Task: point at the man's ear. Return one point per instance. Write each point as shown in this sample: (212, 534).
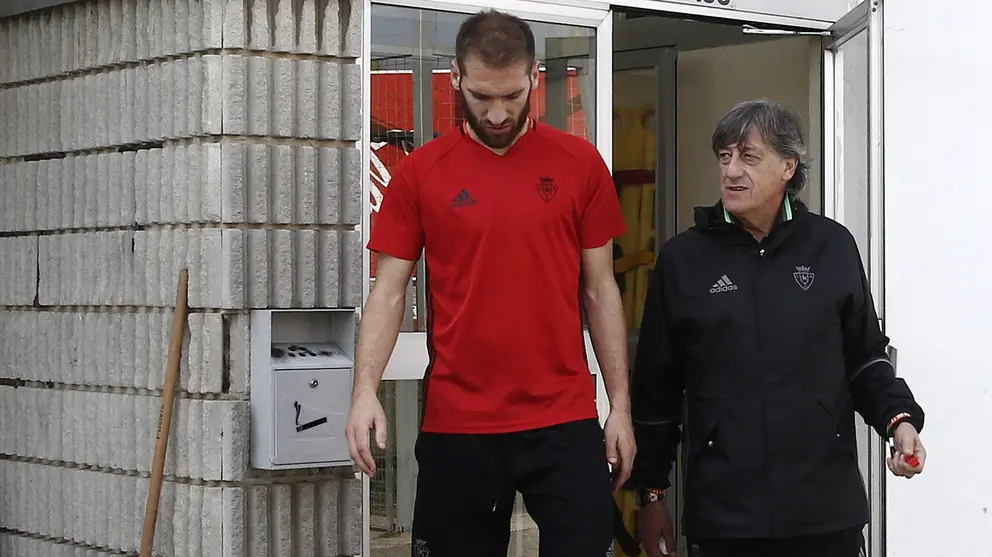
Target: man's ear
(456, 76)
(790, 168)
(535, 74)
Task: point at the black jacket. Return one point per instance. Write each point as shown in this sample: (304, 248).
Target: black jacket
(764, 351)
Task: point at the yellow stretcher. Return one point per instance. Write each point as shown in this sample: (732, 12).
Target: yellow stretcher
(634, 174)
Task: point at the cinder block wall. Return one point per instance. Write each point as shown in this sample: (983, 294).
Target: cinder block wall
(139, 137)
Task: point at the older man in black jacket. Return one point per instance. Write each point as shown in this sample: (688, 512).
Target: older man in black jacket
(759, 342)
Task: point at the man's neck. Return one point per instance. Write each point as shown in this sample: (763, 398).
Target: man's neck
(759, 222)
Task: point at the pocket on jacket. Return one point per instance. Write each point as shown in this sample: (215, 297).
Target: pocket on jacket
(834, 415)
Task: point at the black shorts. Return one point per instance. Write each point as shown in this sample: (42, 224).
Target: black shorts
(845, 543)
(467, 485)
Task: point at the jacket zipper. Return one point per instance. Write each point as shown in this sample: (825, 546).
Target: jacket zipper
(756, 304)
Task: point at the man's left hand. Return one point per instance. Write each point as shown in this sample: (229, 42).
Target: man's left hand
(620, 446)
(907, 443)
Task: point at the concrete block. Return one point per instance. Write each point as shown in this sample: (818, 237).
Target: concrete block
(306, 542)
(212, 340)
(261, 29)
(352, 202)
(284, 184)
(258, 182)
(306, 269)
(104, 205)
(306, 185)
(235, 20)
(260, 97)
(19, 284)
(351, 270)
(329, 22)
(195, 521)
(308, 86)
(40, 193)
(181, 185)
(237, 327)
(66, 216)
(285, 26)
(211, 22)
(156, 77)
(141, 177)
(91, 217)
(196, 437)
(329, 99)
(233, 182)
(351, 128)
(282, 526)
(284, 98)
(329, 261)
(232, 273)
(181, 113)
(29, 196)
(283, 259)
(166, 189)
(350, 517)
(234, 526)
(210, 444)
(235, 94)
(168, 92)
(180, 521)
(194, 82)
(111, 167)
(152, 186)
(53, 192)
(212, 523)
(170, 26)
(8, 181)
(257, 514)
(257, 259)
(234, 420)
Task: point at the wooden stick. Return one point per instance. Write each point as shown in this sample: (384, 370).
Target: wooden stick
(165, 413)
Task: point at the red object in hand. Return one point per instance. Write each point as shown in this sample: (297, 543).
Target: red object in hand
(913, 461)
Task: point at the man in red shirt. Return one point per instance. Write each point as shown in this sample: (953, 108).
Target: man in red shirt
(516, 220)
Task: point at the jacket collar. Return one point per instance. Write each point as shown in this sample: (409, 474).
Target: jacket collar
(716, 215)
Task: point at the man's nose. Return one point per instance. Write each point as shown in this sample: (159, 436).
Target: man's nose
(497, 113)
(735, 168)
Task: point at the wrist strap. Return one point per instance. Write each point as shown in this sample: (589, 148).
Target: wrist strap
(896, 420)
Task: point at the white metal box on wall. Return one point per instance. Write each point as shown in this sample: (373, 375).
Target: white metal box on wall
(302, 365)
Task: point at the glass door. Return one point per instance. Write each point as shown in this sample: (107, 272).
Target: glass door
(853, 192)
(409, 102)
(644, 170)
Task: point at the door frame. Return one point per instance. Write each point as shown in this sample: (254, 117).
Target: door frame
(866, 17)
(410, 352)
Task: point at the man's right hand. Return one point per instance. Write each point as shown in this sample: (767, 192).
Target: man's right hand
(654, 525)
(366, 414)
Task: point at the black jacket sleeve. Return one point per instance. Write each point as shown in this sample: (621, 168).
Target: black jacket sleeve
(657, 388)
(877, 393)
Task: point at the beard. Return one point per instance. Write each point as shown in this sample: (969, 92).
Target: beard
(481, 128)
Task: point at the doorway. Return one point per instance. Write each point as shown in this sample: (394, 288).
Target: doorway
(665, 79)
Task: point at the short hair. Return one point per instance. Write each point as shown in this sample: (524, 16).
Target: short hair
(498, 38)
(779, 127)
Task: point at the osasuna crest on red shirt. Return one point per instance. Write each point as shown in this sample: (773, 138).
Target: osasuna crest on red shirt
(547, 188)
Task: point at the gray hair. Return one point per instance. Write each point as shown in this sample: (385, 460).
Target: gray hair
(779, 127)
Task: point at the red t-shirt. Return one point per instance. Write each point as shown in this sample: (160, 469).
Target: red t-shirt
(503, 237)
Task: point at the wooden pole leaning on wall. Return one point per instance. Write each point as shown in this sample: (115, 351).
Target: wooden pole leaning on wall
(165, 413)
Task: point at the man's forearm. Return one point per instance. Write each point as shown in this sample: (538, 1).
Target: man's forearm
(608, 330)
(377, 335)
